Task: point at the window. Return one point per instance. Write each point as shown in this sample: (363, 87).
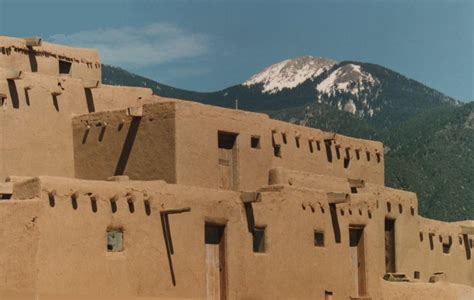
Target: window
(114, 240)
(258, 239)
(318, 238)
(378, 157)
(297, 141)
(64, 67)
(226, 140)
(368, 155)
(255, 142)
(416, 275)
(310, 144)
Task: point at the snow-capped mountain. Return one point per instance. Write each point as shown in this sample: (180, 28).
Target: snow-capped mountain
(365, 91)
(290, 73)
(350, 80)
(346, 87)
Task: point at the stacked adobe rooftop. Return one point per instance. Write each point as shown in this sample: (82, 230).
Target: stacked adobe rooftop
(113, 192)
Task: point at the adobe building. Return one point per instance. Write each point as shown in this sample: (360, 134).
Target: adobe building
(115, 193)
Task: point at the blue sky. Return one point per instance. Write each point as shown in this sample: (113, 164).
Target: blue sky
(208, 45)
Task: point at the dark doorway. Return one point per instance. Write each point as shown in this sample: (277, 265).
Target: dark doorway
(390, 246)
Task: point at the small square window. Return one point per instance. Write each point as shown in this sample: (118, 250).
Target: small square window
(64, 67)
(114, 240)
(318, 238)
(416, 275)
(258, 239)
(255, 142)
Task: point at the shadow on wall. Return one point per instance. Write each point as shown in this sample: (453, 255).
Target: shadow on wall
(89, 100)
(13, 93)
(127, 146)
(55, 102)
(33, 62)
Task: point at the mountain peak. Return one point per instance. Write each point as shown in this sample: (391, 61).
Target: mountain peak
(290, 73)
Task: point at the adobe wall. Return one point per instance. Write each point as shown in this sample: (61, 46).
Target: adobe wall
(197, 126)
(19, 243)
(291, 267)
(35, 120)
(416, 251)
(350, 157)
(44, 59)
(108, 144)
(196, 152)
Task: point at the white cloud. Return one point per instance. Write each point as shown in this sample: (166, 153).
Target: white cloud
(153, 44)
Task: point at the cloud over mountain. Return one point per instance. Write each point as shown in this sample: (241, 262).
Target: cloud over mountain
(128, 46)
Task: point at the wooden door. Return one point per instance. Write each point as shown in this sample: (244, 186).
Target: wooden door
(227, 160)
(215, 262)
(357, 247)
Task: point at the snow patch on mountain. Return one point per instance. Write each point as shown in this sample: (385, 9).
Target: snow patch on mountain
(350, 107)
(349, 79)
(290, 73)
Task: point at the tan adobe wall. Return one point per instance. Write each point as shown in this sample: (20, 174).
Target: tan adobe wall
(415, 250)
(35, 120)
(108, 144)
(310, 150)
(44, 59)
(287, 268)
(196, 129)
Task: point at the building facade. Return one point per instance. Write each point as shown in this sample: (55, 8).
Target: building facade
(113, 192)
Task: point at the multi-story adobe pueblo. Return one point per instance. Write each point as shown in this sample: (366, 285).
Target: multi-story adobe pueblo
(113, 192)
